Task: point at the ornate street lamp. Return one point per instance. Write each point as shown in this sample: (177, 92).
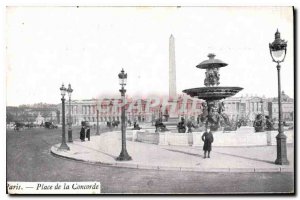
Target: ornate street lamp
(278, 53)
(123, 155)
(63, 145)
(70, 90)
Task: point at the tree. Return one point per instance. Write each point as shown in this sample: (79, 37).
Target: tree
(9, 118)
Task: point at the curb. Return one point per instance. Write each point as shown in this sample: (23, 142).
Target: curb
(183, 169)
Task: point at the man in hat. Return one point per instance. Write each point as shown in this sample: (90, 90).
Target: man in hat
(207, 138)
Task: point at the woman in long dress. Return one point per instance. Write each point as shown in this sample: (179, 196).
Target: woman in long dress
(82, 134)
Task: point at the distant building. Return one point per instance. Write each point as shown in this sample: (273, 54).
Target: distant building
(110, 110)
(39, 119)
(246, 107)
(287, 108)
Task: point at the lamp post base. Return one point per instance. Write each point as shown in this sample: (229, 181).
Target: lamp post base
(97, 132)
(70, 136)
(124, 156)
(281, 150)
(64, 146)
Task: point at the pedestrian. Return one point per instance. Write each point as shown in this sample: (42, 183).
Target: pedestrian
(207, 138)
(88, 135)
(82, 134)
(190, 125)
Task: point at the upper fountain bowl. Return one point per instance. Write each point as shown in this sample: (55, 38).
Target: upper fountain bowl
(212, 93)
(211, 63)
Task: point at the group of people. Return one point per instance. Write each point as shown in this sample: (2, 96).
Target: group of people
(159, 126)
(136, 126)
(113, 124)
(85, 133)
(181, 126)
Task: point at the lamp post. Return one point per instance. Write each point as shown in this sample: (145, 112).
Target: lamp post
(160, 112)
(278, 53)
(238, 116)
(97, 133)
(110, 111)
(70, 90)
(63, 145)
(262, 106)
(123, 155)
(134, 112)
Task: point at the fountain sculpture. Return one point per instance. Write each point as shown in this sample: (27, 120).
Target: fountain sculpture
(213, 115)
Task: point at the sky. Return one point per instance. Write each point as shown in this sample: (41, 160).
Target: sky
(88, 47)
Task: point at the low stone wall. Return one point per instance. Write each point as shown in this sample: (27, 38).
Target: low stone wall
(272, 136)
(177, 139)
(234, 138)
(170, 138)
(243, 139)
(146, 137)
(243, 129)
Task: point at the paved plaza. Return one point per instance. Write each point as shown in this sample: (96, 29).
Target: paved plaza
(105, 148)
(31, 160)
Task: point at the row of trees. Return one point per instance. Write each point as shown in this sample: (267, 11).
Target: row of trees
(29, 113)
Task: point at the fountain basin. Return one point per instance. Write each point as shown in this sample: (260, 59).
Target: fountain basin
(242, 137)
(212, 93)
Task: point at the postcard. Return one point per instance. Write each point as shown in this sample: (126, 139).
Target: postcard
(150, 100)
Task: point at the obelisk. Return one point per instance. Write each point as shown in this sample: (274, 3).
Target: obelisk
(172, 115)
(172, 68)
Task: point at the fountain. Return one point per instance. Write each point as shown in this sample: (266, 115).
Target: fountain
(213, 118)
(212, 93)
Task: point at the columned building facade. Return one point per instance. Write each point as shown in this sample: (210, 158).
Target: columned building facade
(245, 107)
(135, 110)
(287, 108)
(138, 110)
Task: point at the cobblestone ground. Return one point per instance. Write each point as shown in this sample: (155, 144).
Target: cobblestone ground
(28, 159)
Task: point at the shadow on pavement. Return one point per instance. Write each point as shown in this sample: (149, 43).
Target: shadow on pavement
(184, 152)
(114, 157)
(255, 159)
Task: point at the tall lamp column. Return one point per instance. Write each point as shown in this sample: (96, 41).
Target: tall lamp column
(278, 53)
(123, 155)
(97, 133)
(63, 145)
(70, 90)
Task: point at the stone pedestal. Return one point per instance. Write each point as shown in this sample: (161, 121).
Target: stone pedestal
(281, 150)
